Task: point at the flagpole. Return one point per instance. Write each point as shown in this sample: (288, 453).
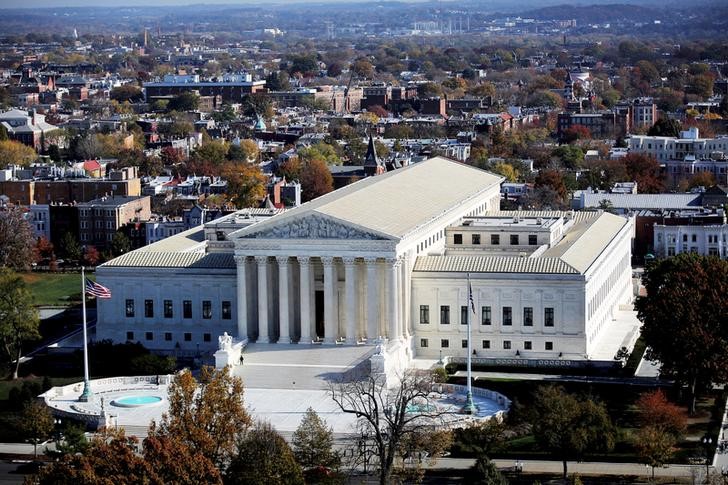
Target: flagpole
(86, 395)
(470, 407)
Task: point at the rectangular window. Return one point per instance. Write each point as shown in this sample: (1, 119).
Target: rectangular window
(495, 239)
(444, 343)
(149, 336)
(548, 317)
(423, 343)
(149, 308)
(506, 345)
(457, 238)
(167, 308)
(130, 336)
(486, 344)
(206, 337)
(464, 343)
(528, 316)
(514, 240)
(485, 315)
(187, 309)
(532, 240)
(167, 336)
(206, 309)
(527, 345)
(188, 337)
(549, 346)
(464, 315)
(475, 238)
(129, 308)
(694, 238)
(444, 315)
(507, 316)
(424, 313)
(227, 310)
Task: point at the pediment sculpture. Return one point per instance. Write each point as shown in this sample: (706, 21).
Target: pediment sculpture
(313, 227)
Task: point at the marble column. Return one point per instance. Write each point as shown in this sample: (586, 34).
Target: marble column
(392, 300)
(373, 308)
(242, 304)
(351, 298)
(262, 299)
(305, 285)
(284, 333)
(330, 313)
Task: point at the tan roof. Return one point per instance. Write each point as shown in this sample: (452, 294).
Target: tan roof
(583, 244)
(174, 260)
(492, 264)
(396, 203)
(189, 240)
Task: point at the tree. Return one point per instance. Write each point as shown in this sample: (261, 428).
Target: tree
(645, 170)
(484, 472)
(653, 409)
(120, 244)
(91, 255)
(15, 153)
(208, 414)
(173, 461)
(71, 441)
(18, 317)
(574, 133)
(383, 412)
(126, 92)
(316, 180)
(363, 68)
(17, 244)
(552, 178)
(313, 441)
(187, 101)
(571, 156)
(683, 319)
(506, 170)
(701, 179)
(246, 151)
(259, 105)
(479, 439)
(665, 127)
(246, 183)
(36, 423)
(545, 98)
(263, 458)
(291, 169)
(43, 249)
(569, 427)
(70, 247)
(278, 81)
(655, 446)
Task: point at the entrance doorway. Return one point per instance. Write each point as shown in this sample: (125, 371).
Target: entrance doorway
(319, 314)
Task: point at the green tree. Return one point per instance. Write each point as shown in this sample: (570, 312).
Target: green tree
(187, 101)
(484, 472)
(17, 243)
(70, 247)
(320, 151)
(127, 92)
(665, 127)
(569, 427)
(18, 317)
(71, 441)
(15, 153)
(654, 446)
(571, 156)
(683, 319)
(120, 244)
(263, 458)
(36, 423)
(313, 443)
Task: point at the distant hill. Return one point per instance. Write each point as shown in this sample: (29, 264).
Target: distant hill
(598, 13)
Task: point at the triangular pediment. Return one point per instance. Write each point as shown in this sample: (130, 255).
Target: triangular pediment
(313, 227)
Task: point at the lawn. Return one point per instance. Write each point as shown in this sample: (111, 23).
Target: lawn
(55, 289)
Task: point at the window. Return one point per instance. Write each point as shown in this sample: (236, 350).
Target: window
(527, 345)
(532, 240)
(528, 316)
(495, 239)
(187, 309)
(685, 238)
(444, 343)
(424, 313)
(129, 308)
(423, 343)
(167, 336)
(464, 343)
(548, 317)
(486, 344)
(485, 315)
(206, 309)
(149, 308)
(130, 335)
(475, 238)
(149, 336)
(167, 308)
(549, 346)
(444, 315)
(514, 240)
(506, 345)
(507, 316)
(227, 310)
(188, 337)
(694, 238)
(206, 337)
(457, 238)
(464, 315)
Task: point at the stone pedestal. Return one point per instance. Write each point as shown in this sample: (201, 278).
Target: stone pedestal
(229, 353)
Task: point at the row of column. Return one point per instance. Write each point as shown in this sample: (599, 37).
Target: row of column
(391, 282)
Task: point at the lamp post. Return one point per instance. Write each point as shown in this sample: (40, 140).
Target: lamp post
(439, 361)
(707, 442)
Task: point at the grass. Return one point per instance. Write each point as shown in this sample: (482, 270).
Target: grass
(54, 289)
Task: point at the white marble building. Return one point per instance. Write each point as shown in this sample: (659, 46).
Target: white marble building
(357, 264)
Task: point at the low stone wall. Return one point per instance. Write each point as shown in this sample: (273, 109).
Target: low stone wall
(106, 384)
(479, 392)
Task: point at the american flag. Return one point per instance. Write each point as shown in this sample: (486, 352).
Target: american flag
(470, 296)
(97, 290)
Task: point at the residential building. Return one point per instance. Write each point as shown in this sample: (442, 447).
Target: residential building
(101, 218)
(231, 87)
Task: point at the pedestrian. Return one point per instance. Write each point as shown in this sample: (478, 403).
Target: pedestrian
(241, 359)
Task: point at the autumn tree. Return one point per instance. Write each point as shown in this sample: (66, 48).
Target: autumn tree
(316, 180)
(683, 319)
(17, 244)
(18, 317)
(174, 461)
(126, 92)
(207, 414)
(91, 255)
(246, 183)
(553, 179)
(569, 427)
(320, 151)
(701, 179)
(507, 170)
(291, 169)
(15, 153)
(313, 441)
(263, 457)
(246, 151)
(36, 423)
(574, 133)
(645, 170)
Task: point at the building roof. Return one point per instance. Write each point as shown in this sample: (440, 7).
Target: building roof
(492, 264)
(149, 259)
(396, 203)
(643, 201)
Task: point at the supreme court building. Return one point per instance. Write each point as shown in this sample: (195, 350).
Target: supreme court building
(383, 260)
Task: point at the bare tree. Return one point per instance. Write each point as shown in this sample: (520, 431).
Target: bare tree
(389, 416)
